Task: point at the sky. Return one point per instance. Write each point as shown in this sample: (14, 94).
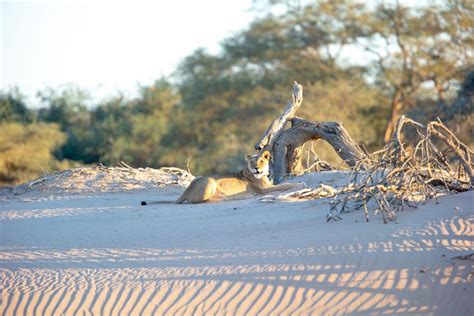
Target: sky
(108, 46)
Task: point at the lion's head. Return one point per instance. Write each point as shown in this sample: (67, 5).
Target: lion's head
(259, 164)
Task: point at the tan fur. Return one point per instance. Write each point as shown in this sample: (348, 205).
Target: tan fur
(249, 181)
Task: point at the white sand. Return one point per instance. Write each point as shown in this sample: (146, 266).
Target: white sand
(89, 251)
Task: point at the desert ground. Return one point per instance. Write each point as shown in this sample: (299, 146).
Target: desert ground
(80, 243)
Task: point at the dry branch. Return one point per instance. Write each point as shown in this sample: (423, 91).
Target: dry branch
(287, 149)
(461, 150)
(286, 146)
(389, 179)
(396, 176)
(274, 130)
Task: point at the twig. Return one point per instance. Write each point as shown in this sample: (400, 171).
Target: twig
(396, 175)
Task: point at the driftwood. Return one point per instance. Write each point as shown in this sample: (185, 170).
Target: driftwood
(459, 149)
(397, 177)
(286, 145)
(389, 179)
(273, 131)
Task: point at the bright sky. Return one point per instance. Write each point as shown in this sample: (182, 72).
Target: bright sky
(108, 46)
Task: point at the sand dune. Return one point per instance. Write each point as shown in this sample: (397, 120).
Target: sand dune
(248, 289)
(105, 255)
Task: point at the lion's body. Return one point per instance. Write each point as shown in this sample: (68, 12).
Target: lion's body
(249, 181)
(221, 187)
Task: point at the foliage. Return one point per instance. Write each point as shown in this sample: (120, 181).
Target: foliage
(67, 108)
(26, 151)
(131, 131)
(415, 59)
(13, 107)
(426, 46)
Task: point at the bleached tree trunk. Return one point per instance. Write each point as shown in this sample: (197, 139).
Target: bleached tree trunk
(277, 126)
(286, 145)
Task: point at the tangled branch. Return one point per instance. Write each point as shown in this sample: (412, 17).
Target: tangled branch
(394, 177)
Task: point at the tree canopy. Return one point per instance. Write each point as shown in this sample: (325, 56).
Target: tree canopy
(362, 65)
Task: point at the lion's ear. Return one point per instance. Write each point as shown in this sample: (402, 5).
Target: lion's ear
(266, 155)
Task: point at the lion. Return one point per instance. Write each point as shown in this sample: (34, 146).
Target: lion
(250, 181)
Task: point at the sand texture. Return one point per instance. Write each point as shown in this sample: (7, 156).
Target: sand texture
(89, 248)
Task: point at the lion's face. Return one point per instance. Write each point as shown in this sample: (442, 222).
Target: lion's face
(259, 164)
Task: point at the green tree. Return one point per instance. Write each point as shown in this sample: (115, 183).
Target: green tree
(229, 99)
(67, 107)
(131, 131)
(419, 49)
(418, 60)
(13, 107)
(26, 151)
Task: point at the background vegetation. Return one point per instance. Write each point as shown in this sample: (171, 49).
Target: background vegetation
(361, 65)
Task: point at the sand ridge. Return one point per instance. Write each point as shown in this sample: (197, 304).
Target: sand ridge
(102, 253)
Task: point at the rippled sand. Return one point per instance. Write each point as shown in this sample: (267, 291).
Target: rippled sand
(103, 254)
